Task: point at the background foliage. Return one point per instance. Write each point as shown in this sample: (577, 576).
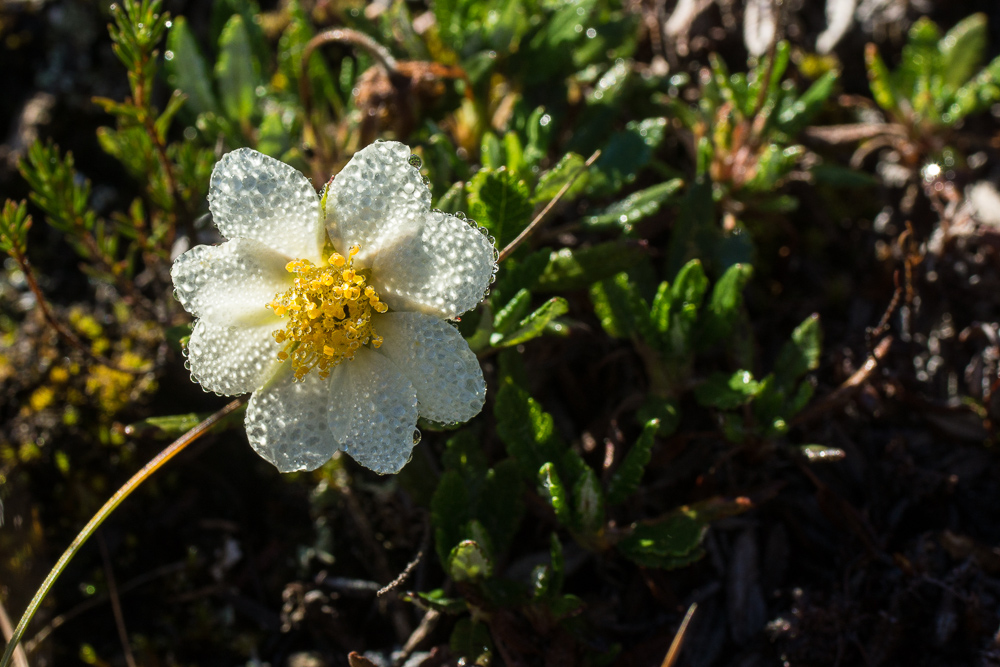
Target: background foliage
(748, 361)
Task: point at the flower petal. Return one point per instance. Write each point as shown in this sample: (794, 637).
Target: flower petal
(286, 421)
(257, 197)
(230, 284)
(441, 268)
(233, 360)
(375, 194)
(437, 360)
(373, 412)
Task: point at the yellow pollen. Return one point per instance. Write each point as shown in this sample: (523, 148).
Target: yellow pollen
(329, 310)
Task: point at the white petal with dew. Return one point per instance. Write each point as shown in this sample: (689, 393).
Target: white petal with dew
(373, 196)
(230, 284)
(286, 421)
(433, 356)
(441, 268)
(373, 412)
(255, 196)
(233, 360)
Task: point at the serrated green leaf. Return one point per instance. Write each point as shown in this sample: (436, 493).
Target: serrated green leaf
(724, 305)
(236, 71)
(553, 180)
(512, 312)
(534, 325)
(468, 561)
(187, 70)
(552, 489)
(621, 309)
(636, 206)
(727, 391)
(625, 481)
(588, 502)
(801, 353)
(572, 269)
(525, 429)
(500, 202)
(664, 543)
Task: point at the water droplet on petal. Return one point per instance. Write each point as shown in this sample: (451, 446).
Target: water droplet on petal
(416, 436)
(415, 161)
(460, 215)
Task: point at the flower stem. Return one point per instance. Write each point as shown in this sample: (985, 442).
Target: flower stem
(95, 521)
(534, 224)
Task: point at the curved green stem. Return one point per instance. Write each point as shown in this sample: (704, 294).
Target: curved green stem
(102, 514)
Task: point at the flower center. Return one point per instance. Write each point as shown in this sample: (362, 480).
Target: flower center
(329, 310)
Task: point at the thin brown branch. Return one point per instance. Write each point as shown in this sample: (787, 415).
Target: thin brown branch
(20, 658)
(116, 607)
(398, 581)
(534, 224)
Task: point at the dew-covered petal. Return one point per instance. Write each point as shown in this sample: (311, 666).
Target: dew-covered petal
(441, 268)
(373, 412)
(433, 356)
(286, 421)
(255, 196)
(230, 284)
(374, 195)
(233, 360)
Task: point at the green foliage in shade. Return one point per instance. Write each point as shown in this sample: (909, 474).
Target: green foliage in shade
(525, 429)
(669, 543)
(626, 479)
(727, 392)
(468, 561)
(551, 488)
(554, 179)
(512, 313)
(801, 353)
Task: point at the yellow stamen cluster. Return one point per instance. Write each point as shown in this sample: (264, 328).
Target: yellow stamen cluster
(329, 310)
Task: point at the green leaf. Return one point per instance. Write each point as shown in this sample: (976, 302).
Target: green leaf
(800, 354)
(558, 566)
(686, 297)
(663, 410)
(470, 640)
(727, 392)
(469, 562)
(588, 502)
(962, 50)
(551, 489)
(500, 202)
(976, 95)
(725, 303)
(237, 71)
(14, 225)
(572, 269)
(625, 155)
(533, 325)
(553, 180)
(274, 138)
(525, 429)
(512, 312)
(500, 506)
(796, 117)
(626, 479)
(491, 152)
(636, 206)
(437, 601)
(621, 309)
(454, 199)
(187, 70)
(773, 164)
(665, 543)
(449, 513)
(879, 81)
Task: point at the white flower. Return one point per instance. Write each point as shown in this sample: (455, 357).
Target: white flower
(333, 312)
